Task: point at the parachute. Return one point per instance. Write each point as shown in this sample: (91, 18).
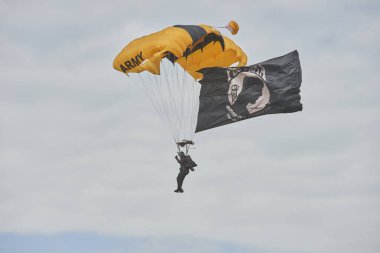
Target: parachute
(193, 47)
(167, 64)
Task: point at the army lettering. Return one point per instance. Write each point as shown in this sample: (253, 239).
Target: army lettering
(133, 62)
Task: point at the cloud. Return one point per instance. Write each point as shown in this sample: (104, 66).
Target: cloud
(83, 150)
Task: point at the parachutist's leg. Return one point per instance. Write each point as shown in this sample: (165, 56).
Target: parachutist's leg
(181, 176)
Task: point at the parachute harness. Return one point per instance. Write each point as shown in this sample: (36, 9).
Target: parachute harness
(185, 144)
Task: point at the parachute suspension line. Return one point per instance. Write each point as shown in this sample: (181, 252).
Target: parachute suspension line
(184, 106)
(179, 94)
(160, 85)
(180, 97)
(173, 91)
(148, 89)
(181, 100)
(156, 91)
(191, 86)
(196, 87)
(176, 91)
(184, 98)
(154, 88)
(147, 86)
(161, 104)
(175, 96)
(193, 108)
(171, 99)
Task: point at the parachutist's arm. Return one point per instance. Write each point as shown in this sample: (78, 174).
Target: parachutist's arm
(178, 160)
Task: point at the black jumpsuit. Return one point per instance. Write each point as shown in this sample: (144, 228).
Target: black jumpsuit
(186, 164)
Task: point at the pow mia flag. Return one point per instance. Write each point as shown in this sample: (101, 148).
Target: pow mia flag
(229, 95)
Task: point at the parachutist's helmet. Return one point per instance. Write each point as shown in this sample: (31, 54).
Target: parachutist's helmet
(181, 153)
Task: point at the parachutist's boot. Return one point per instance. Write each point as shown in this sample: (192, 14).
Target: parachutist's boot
(178, 191)
(181, 190)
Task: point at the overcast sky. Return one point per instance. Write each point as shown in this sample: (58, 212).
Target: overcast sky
(86, 165)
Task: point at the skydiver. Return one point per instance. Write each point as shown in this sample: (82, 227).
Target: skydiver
(186, 164)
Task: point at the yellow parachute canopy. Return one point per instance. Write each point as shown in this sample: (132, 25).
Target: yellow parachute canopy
(193, 47)
(213, 55)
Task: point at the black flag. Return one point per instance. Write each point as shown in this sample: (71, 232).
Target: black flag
(233, 94)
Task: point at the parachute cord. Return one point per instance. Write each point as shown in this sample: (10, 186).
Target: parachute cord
(193, 87)
(196, 92)
(187, 87)
(154, 97)
(161, 105)
(161, 108)
(177, 98)
(183, 87)
(165, 105)
(174, 98)
(192, 108)
(151, 95)
(174, 109)
(182, 97)
(195, 106)
(223, 27)
(164, 99)
(174, 92)
(181, 101)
